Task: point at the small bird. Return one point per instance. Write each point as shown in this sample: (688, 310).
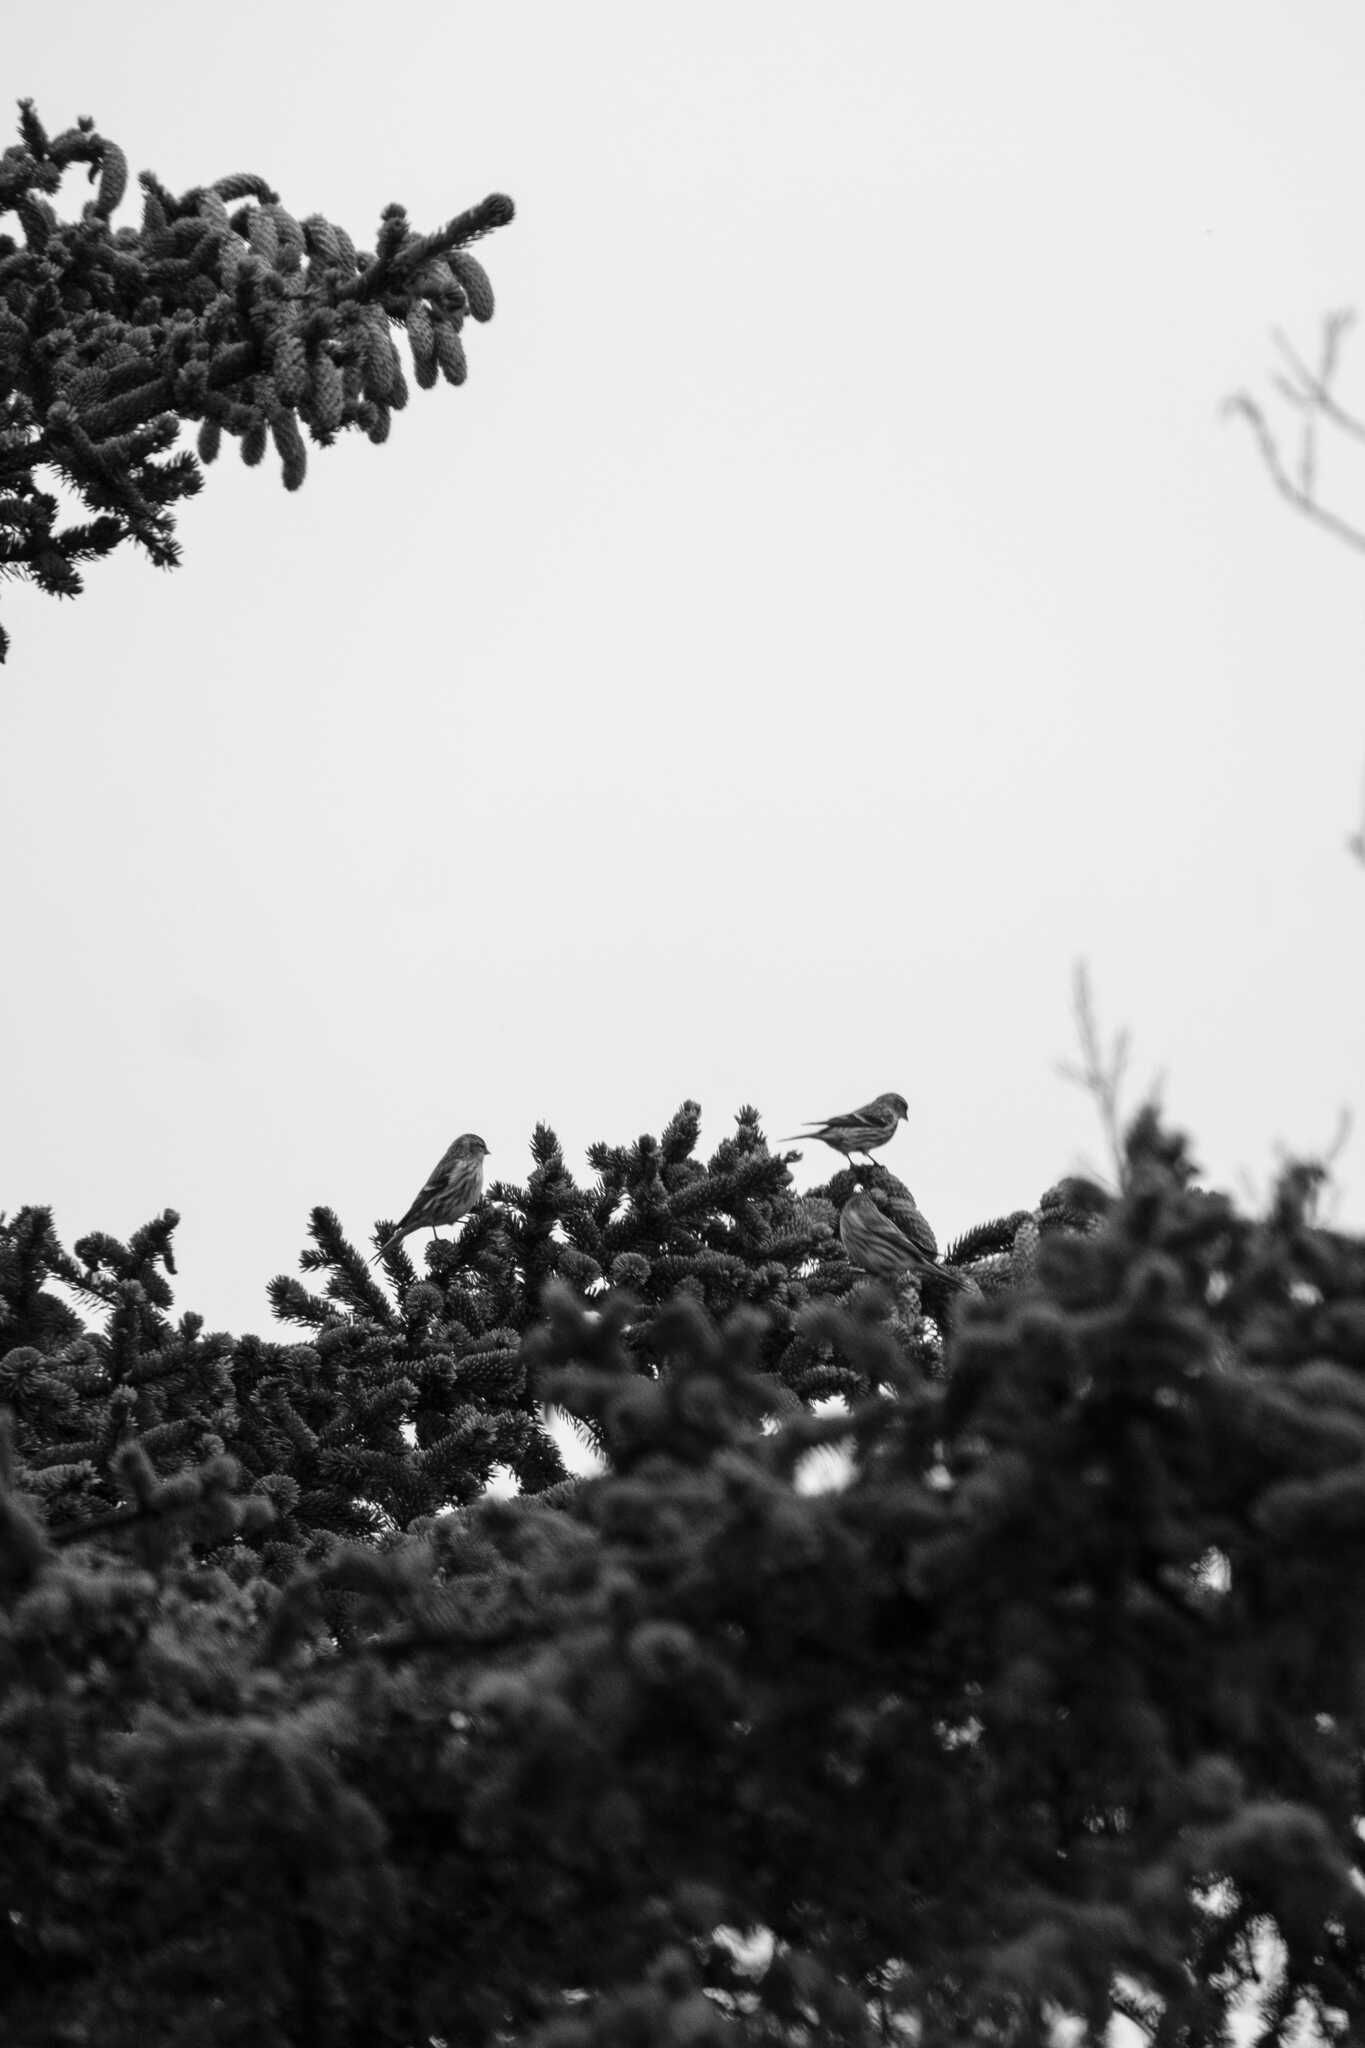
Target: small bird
(873, 1242)
(858, 1130)
(908, 1217)
(450, 1191)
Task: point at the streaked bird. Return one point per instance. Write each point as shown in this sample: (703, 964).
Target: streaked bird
(872, 1240)
(858, 1130)
(908, 1217)
(450, 1190)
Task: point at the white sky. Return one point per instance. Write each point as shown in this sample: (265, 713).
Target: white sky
(833, 605)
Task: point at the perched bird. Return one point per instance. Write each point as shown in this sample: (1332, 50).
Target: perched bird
(908, 1217)
(873, 1242)
(858, 1130)
(450, 1191)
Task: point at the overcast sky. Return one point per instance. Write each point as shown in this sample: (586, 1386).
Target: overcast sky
(833, 606)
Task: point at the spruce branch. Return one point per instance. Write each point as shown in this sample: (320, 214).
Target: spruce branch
(251, 324)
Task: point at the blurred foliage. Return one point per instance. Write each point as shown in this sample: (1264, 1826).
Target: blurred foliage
(1051, 1709)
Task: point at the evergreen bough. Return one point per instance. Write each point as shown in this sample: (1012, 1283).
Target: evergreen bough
(1054, 1708)
(220, 308)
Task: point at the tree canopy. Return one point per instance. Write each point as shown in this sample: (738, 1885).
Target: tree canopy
(1048, 1705)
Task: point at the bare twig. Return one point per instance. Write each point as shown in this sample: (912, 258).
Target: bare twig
(1100, 1072)
(1331, 522)
(1356, 840)
(1326, 1198)
(1339, 1139)
(1310, 392)
(1315, 390)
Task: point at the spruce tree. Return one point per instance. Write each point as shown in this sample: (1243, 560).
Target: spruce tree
(220, 308)
(1052, 1709)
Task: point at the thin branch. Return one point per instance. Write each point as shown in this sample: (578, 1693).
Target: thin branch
(1331, 522)
(1310, 393)
(1100, 1072)
(1339, 1139)
(1316, 391)
(1356, 840)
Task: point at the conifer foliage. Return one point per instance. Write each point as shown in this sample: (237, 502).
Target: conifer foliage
(1052, 1709)
(220, 308)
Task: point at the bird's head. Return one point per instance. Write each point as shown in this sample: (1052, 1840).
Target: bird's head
(471, 1146)
(897, 1104)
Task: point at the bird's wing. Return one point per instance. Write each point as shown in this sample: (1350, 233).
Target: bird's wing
(437, 1178)
(414, 1208)
(442, 1167)
(889, 1231)
(873, 1116)
(914, 1225)
(851, 1120)
(432, 1185)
